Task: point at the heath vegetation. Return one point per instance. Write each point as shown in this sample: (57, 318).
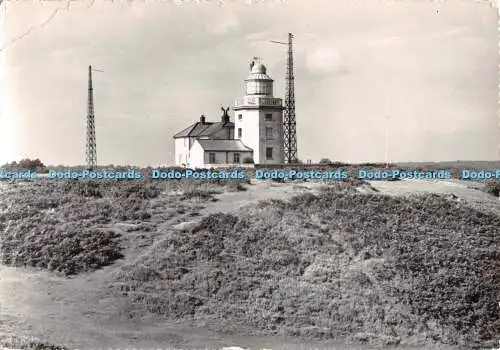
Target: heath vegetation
(335, 264)
(63, 226)
(25, 343)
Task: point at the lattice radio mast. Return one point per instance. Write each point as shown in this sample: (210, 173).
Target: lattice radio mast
(91, 151)
(289, 122)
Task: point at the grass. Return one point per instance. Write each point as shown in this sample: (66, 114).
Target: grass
(61, 226)
(492, 187)
(48, 226)
(28, 344)
(333, 265)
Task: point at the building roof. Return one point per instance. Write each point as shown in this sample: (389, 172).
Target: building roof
(223, 145)
(258, 68)
(258, 72)
(258, 76)
(203, 129)
(215, 127)
(193, 130)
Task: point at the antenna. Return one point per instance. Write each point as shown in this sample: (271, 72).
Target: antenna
(91, 151)
(387, 141)
(289, 123)
(387, 125)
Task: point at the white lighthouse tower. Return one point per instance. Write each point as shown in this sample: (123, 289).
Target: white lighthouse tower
(258, 117)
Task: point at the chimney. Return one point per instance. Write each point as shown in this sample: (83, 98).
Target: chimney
(202, 119)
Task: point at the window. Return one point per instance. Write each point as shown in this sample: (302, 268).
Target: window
(269, 153)
(211, 158)
(269, 133)
(269, 117)
(236, 158)
(239, 133)
(267, 88)
(251, 88)
(240, 116)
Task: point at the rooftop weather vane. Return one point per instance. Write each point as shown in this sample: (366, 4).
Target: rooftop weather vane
(255, 59)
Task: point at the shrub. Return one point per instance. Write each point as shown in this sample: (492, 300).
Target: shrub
(28, 344)
(53, 224)
(233, 186)
(334, 264)
(25, 164)
(493, 187)
(197, 193)
(140, 190)
(68, 250)
(84, 188)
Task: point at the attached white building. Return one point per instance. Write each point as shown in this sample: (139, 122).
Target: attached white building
(256, 135)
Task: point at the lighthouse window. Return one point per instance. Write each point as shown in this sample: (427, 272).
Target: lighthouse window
(251, 87)
(240, 117)
(239, 133)
(269, 153)
(268, 117)
(266, 89)
(269, 133)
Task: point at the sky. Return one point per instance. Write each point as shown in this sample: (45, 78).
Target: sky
(425, 73)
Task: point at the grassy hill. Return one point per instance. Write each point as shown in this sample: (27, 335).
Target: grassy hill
(334, 264)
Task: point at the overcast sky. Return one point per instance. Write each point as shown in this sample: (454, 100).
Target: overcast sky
(431, 66)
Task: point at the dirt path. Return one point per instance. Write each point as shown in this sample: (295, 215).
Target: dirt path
(76, 312)
(259, 190)
(465, 191)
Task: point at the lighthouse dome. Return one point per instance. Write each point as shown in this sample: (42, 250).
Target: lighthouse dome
(258, 72)
(258, 68)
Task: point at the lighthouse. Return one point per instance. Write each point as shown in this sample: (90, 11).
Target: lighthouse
(258, 117)
(257, 133)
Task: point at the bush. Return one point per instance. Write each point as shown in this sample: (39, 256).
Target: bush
(28, 344)
(84, 188)
(199, 194)
(54, 225)
(334, 264)
(233, 186)
(492, 187)
(68, 250)
(24, 165)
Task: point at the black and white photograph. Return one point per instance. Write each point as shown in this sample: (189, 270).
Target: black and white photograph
(249, 174)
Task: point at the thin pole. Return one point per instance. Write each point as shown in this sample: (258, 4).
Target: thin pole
(387, 141)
